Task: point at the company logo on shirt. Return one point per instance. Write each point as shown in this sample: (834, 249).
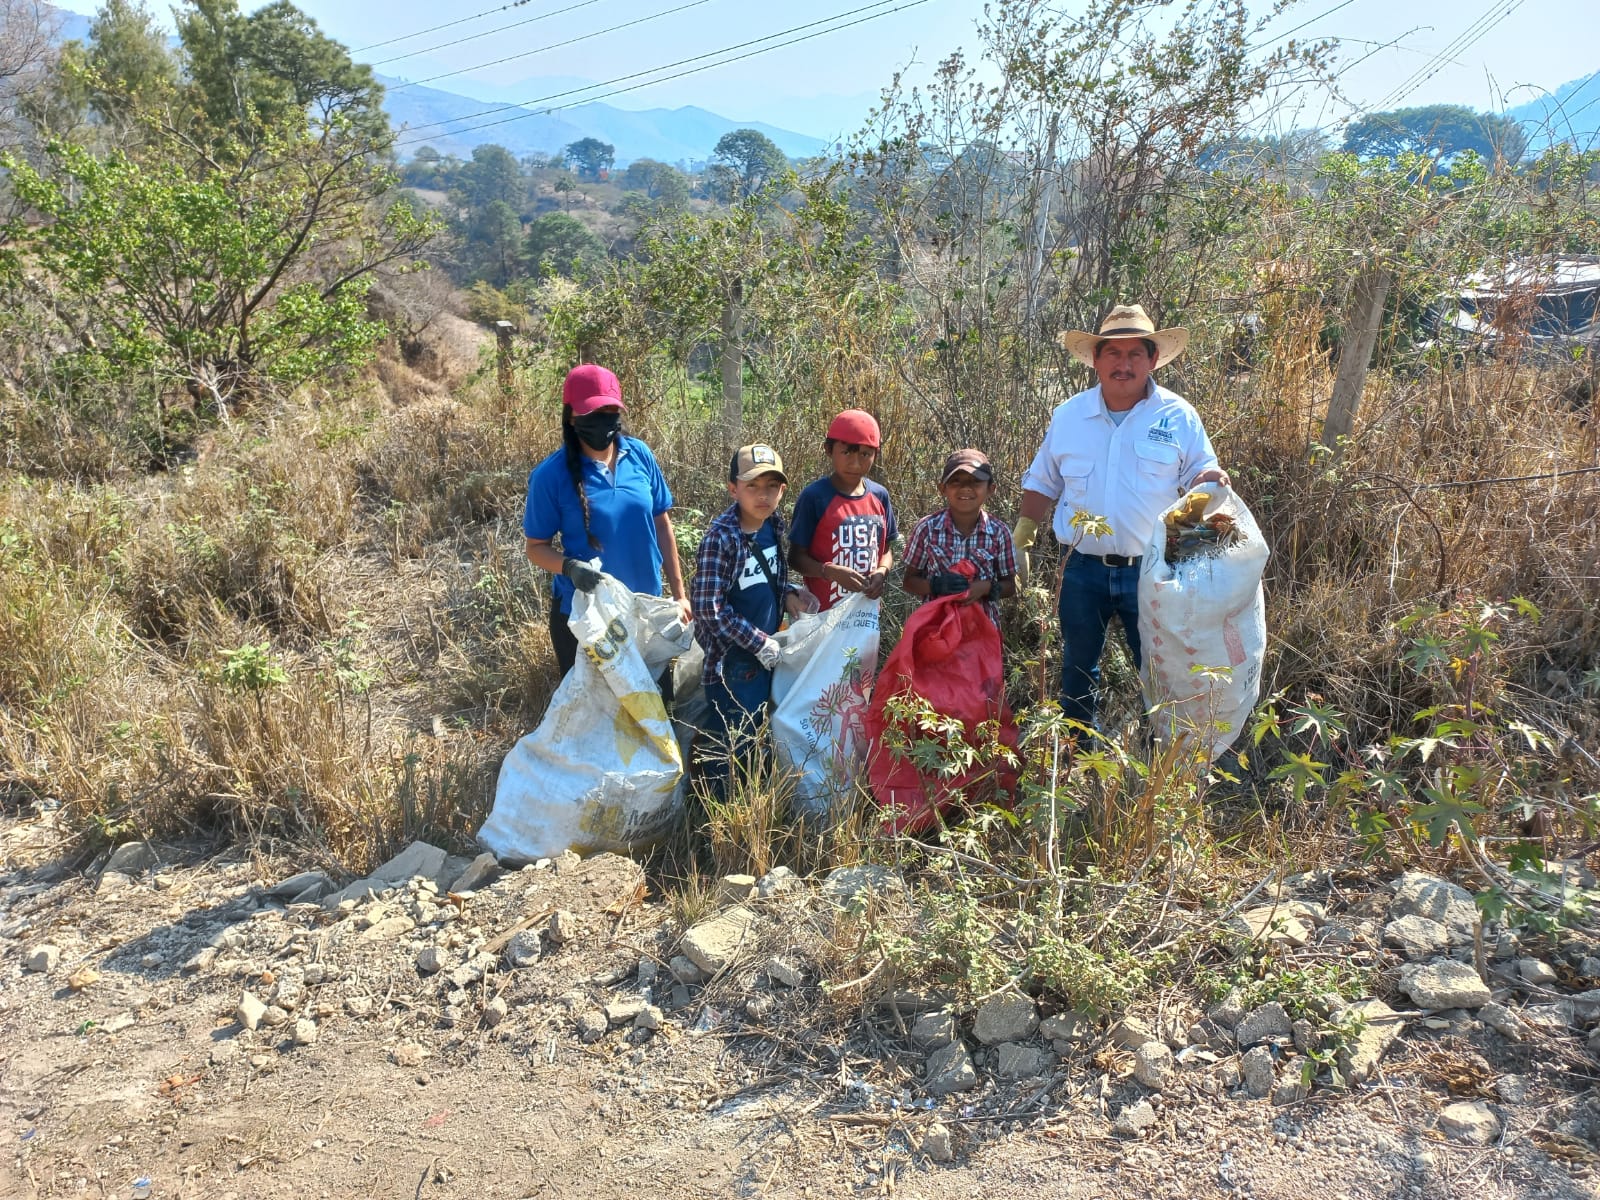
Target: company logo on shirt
(752, 575)
(857, 539)
(1161, 432)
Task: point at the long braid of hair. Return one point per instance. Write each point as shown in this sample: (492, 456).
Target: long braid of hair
(574, 451)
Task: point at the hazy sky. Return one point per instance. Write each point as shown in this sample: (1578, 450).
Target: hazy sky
(1536, 45)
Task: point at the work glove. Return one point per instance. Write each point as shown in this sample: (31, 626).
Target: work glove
(584, 577)
(767, 656)
(1023, 537)
(947, 583)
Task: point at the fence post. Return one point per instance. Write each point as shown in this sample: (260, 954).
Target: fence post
(502, 361)
(1363, 320)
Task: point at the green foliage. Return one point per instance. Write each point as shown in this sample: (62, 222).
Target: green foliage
(590, 157)
(1438, 131)
(251, 76)
(753, 159)
(220, 280)
(561, 244)
(251, 668)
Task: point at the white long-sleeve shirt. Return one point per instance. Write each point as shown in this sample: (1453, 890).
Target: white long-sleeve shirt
(1128, 473)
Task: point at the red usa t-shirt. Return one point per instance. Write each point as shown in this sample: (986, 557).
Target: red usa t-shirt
(852, 531)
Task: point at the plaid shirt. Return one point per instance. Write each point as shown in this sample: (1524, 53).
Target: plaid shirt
(937, 545)
(717, 565)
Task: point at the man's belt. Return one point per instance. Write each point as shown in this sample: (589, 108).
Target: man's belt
(1111, 560)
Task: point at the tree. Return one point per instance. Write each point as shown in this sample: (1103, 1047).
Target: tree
(26, 30)
(659, 182)
(248, 74)
(222, 280)
(753, 156)
(1439, 132)
(589, 157)
(491, 176)
(128, 62)
(561, 243)
(495, 239)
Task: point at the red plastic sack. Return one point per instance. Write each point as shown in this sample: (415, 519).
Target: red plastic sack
(949, 654)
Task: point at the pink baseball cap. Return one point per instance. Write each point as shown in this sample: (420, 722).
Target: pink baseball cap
(589, 387)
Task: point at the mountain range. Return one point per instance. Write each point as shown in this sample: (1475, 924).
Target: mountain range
(428, 116)
(449, 122)
(1571, 113)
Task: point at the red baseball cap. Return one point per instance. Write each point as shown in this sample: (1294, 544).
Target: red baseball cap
(855, 427)
(589, 387)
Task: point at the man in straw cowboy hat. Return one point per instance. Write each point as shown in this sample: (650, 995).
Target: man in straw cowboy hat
(1124, 449)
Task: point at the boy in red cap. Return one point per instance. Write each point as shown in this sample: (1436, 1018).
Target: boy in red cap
(963, 532)
(843, 523)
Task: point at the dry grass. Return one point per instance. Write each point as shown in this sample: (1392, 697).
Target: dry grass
(375, 548)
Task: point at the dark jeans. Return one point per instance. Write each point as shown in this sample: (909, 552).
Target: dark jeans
(565, 644)
(1091, 593)
(562, 641)
(737, 709)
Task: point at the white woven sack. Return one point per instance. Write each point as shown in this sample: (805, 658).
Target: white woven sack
(603, 771)
(1203, 632)
(820, 691)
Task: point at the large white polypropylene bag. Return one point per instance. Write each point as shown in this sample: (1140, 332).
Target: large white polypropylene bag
(603, 771)
(1203, 632)
(820, 691)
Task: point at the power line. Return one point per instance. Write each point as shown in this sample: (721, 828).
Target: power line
(523, 115)
(406, 37)
(524, 112)
(583, 37)
(1468, 37)
(472, 37)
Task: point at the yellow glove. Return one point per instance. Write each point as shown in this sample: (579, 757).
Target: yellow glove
(1023, 537)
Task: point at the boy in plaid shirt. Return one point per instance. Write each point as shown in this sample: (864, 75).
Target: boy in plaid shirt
(740, 595)
(963, 532)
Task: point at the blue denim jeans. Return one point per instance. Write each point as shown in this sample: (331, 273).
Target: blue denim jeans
(1091, 593)
(737, 709)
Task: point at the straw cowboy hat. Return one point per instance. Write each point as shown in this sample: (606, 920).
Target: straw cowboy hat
(1125, 321)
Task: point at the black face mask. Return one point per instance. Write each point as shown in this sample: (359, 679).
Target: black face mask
(598, 430)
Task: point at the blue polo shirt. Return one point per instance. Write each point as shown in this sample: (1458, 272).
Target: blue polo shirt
(623, 506)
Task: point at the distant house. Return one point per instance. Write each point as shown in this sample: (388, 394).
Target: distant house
(1543, 305)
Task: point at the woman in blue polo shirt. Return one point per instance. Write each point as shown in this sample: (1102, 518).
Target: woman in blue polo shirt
(604, 495)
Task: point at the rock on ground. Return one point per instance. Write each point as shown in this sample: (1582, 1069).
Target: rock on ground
(847, 884)
(784, 973)
(485, 869)
(1442, 984)
(1131, 1033)
(1424, 895)
(934, 1031)
(250, 1011)
(1256, 1069)
(1358, 1059)
(1153, 1065)
(1271, 1020)
(1271, 923)
(1134, 1119)
(949, 1070)
(130, 858)
(715, 942)
(1417, 938)
(1017, 1060)
(1471, 1121)
(937, 1143)
(43, 959)
(1005, 1018)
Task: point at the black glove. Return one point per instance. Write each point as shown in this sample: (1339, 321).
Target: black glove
(948, 583)
(584, 577)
